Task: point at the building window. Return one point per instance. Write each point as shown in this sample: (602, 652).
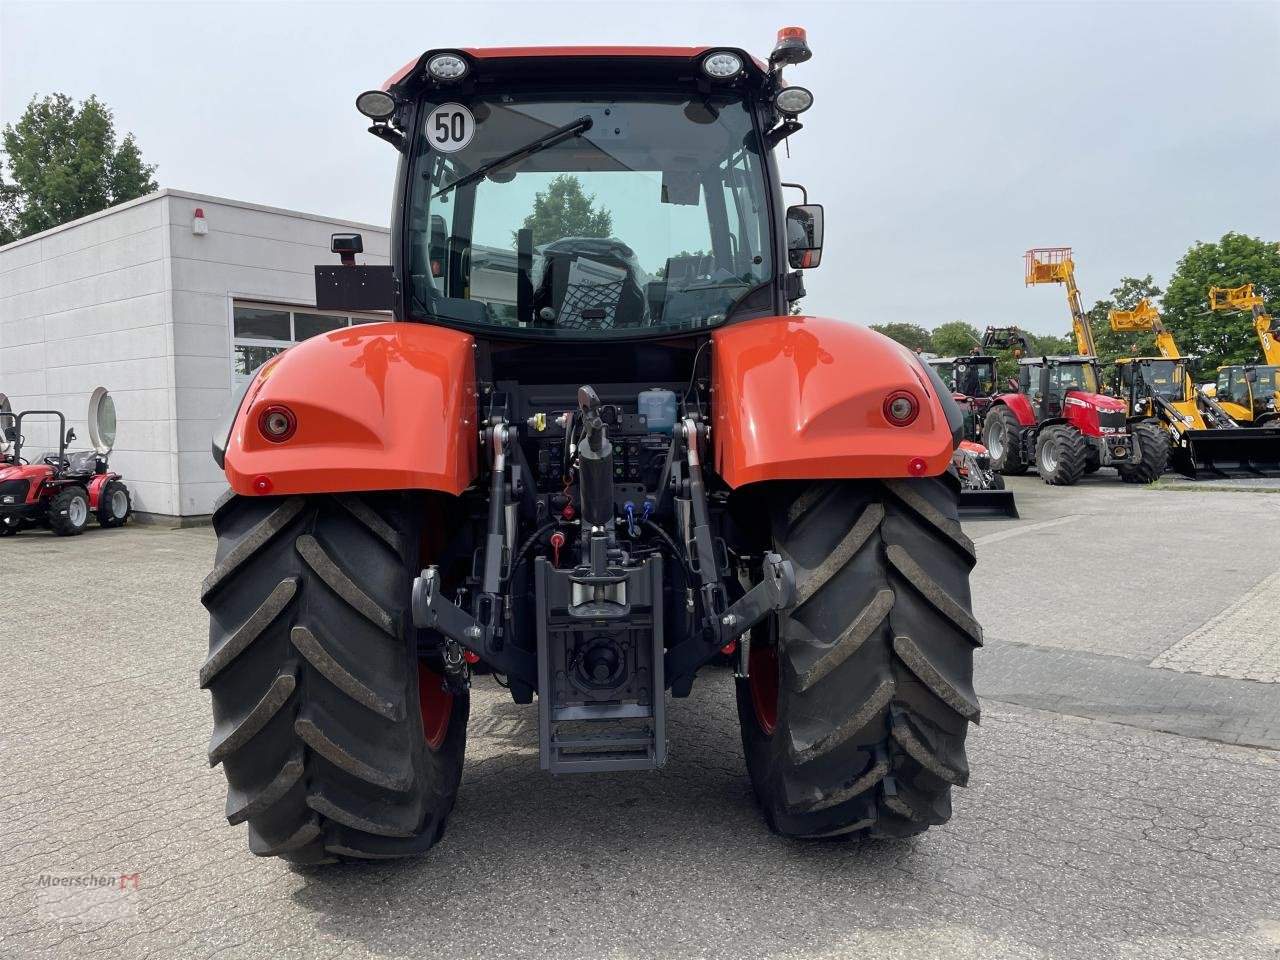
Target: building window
(260, 331)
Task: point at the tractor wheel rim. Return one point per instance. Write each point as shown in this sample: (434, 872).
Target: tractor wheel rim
(995, 445)
(119, 504)
(1048, 459)
(437, 706)
(764, 687)
(78, 511)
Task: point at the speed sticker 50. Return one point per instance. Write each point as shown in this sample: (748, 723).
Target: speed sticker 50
(450, 127)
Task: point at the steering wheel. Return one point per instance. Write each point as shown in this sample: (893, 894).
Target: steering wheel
(58, 463)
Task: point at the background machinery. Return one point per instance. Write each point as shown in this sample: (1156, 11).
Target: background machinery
(592, 470)
(1250, 392)
(1059, 419)
(58, 489)
(972, 380)
(1205, 439)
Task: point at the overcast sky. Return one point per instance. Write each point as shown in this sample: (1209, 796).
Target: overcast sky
(945, 139)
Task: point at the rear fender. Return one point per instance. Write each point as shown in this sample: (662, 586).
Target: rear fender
(801, 398)
(382, 406)
(95, 487)
(1019, 405)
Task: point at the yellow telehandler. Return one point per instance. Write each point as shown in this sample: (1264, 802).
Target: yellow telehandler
(1250, 392)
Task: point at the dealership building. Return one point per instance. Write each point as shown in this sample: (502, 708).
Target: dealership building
(168, 301)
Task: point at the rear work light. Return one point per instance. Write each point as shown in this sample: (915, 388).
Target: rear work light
(722, 65)
(901, 408)
(277, 423)
(376, 104)
(793, 100)
(447, 66)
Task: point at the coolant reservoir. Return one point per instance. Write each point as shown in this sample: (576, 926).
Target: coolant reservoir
(658, 407)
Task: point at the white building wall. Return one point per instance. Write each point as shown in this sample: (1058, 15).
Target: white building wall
(133, 300)
(86, 305)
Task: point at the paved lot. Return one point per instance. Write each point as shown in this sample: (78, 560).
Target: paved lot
(1078, 837)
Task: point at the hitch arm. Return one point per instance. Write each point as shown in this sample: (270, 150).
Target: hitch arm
(775, 591)
(432, 610)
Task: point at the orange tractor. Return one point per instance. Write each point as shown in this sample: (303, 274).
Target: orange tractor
(593, 451)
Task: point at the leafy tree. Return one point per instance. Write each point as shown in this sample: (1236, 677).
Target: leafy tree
(1125, 296)
(955, 338)
(910, 335)
(564, 210)
(1233, 261)
(65, 162)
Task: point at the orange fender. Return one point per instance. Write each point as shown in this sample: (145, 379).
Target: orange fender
(381, 406)
(802, 398)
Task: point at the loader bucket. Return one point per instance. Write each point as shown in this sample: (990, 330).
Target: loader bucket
(987, 505)
(1213, 454)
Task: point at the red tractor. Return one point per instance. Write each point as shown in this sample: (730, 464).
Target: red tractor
(59, 490)
(593, 452)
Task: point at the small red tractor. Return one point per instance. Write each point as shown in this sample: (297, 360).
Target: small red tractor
(1059, 419)
(60, 489)
(593, 452)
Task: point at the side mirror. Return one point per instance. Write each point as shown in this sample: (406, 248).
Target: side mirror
(11, 434)
(347, 245)
(804, 235)
(71, 435)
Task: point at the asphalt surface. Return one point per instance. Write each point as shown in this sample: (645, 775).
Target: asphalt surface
(1148, 833)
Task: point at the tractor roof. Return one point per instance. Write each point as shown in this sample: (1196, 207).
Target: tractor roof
(540, 61)
(966, 358)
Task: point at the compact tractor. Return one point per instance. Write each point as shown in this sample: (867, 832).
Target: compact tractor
(1205, 439)
(589, 460)
(60, 490)
(1059, 419)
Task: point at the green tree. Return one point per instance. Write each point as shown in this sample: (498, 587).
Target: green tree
(910, 335)
(1125, 296)
(955, 338)
(1233, 261)
(65, 162)
(564, 210)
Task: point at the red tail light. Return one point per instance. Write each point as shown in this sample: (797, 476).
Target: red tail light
(901, 408)
(277, 423)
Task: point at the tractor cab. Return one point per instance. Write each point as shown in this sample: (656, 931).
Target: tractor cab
(1168, 378)
(537, 203)
(1069, 387)
(1249, 392)
(973, 375)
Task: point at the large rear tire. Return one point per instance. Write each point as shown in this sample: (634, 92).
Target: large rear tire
(854, 718)
(1061, 455)
(336, 741)
(1002, 436)
(1152, 443)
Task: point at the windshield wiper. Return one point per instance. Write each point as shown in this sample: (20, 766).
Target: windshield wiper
(544, 142)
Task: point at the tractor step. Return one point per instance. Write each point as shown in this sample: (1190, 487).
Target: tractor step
(601, 690)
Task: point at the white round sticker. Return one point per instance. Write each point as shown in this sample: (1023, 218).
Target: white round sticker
(450, 127)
